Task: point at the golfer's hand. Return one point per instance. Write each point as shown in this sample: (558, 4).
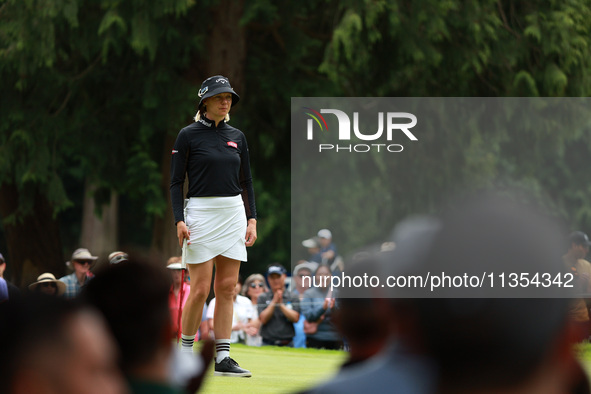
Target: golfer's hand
(251, 232)
(182, 232)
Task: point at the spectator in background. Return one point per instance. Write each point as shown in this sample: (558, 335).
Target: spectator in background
(118, 257)
(3, 290)
(301, 270)
(317, 306)
(179, 290)
(575, 263)
(133, 298)
(313, 247)
(328, 252)
(13, 291)
(278, 309)
(47, 284)
(203, 330)
(244, 319)
(51, 345)
(81, 262)
(253, 287)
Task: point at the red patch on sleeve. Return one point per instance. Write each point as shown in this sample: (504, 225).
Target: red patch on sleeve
(233, 144)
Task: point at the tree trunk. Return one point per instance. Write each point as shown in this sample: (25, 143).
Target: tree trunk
(164, 240)
(34, 244)
(99, 226)
(226, 53)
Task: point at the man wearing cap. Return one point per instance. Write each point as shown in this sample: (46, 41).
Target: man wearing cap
(278, 309)
(13, 291)
(328, 250)
(81, 262)
(575, 263)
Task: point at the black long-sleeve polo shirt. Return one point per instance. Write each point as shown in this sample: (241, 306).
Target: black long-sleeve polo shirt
(216, 161)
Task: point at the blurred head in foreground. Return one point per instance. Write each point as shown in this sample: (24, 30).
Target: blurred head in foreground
(495, 343)
(133, 297)
(462, 340)
(51, 345)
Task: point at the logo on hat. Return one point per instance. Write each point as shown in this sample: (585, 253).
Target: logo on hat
(276, 269)
(216, 85)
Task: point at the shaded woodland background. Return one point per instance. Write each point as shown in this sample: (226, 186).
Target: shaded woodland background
(94, 93)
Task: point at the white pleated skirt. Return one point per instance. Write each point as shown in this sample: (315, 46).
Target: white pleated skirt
(217, 226)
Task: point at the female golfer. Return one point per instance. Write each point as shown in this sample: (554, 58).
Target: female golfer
(219, 220)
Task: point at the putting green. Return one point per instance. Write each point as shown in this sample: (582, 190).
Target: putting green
(276, 370)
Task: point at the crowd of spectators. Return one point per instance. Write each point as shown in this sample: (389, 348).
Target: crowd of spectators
(269, 308)
(131, 310)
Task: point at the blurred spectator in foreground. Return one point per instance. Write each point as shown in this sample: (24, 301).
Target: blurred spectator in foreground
(133, 297)
(253, 287)
(362, 315)
(278, 309)
(81, 262)
(178, 294)
(244, 318)
(118, 257)
(51, 345)
(13, 291)
(474, 345)
(303, 269)
(317, 306)
(575, 263)
(47, 284)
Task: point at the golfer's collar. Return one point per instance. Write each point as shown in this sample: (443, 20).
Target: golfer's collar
(210, 124)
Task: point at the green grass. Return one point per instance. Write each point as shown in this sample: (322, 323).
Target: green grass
(276, 370)
(584, 354)
(286, 370)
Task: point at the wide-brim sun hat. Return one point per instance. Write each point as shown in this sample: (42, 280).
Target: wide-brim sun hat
(216, 85)
(49, 278)
(81, 254)
(308, 265)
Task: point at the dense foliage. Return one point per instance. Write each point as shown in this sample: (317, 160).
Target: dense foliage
(94, 93)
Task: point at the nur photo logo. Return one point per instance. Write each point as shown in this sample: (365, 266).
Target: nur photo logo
(390, 125)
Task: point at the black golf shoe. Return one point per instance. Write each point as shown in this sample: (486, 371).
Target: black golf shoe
(229, 367)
